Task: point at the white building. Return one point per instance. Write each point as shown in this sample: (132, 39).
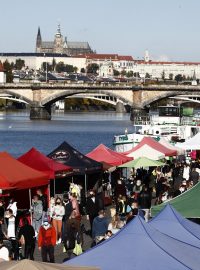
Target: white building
(35, 60)
(2, 74)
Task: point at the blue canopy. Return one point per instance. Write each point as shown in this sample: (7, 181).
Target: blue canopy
(170, 222)
(139, 246)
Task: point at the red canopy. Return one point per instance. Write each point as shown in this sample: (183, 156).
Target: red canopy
(38, 161)
(14, 174)
(105, 154)
(155, 145)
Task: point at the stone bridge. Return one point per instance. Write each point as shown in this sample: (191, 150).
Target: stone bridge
(41, 96)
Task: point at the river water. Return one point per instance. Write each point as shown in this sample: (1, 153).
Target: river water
(84, 131)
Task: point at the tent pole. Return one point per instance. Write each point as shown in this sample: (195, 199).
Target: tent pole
(85, 185)
(30, 205)
(54, 187)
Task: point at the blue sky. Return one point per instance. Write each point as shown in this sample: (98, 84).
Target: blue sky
(169, 29)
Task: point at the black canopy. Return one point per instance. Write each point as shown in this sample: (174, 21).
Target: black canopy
(81, 164)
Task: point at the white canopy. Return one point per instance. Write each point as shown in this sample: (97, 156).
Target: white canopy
(146, 151)
(167, 144)
(191, 144)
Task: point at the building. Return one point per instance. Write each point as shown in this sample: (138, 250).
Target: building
(61, 45)
(2, 74)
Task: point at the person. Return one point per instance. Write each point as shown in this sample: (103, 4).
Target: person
(43, 198)
(47, 241)
(13, 206)
(107, 235)
(194, 176)
(11, 232)
(4, 252)
(116, 224)
(121, 205)
(28, 232)
(100, 226)
(144, 201)
(37, 209)
(57, 216)
(92, 207)
(3, 229)
(2, 208)
(75, 216)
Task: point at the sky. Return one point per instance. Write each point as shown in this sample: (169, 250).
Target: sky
(168, 29)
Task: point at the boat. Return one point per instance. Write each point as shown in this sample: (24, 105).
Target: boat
(174, 123)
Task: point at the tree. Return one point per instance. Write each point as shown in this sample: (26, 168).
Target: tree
(147, 76)
(82, 70)
(53, 64)
(178, 78)
(136, 74)
(19, 64)
(171, 76)
(60, 67)
(69, 69)
(75, 69)
(123, 72)
(8, 68)
(116, 72)
(163, 75)
(129, 74)
(92, 68)
(46, 65)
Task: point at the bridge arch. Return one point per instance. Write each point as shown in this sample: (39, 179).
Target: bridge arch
(58, 95)
(165, 94)
(20, 97)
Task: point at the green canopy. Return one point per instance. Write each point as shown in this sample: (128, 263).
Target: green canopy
(141, 162)
(187, 204)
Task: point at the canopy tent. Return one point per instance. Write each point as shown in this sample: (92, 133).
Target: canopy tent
(33, 265)
(16, 175)
(38, 161)
(150, 148)
(145, 151)
(141, 162)
(153, 250)
(187, 204)
(167, 144)
(104, 154)
(191, 144)
(69, 156)
(170, 222)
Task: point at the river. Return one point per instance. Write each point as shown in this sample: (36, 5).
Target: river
(84, 131)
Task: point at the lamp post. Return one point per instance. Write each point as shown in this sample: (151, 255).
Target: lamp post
(45, 67)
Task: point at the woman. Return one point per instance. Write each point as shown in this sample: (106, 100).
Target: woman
(116, 224)
(57, 216)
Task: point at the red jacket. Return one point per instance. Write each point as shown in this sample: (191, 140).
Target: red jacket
(47, 237)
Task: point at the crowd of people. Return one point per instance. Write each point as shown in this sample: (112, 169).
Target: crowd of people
(59, 221)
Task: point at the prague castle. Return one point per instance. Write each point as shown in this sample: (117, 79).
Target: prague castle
(61, 45)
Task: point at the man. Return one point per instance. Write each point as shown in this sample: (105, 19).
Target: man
(92, 207)
(43, 199)
(99, 226)
(47, 241)
(27, 231)
(37, 213)
(194, 176)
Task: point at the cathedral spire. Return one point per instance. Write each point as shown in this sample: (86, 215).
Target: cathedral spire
(58, 34)
(39, 39)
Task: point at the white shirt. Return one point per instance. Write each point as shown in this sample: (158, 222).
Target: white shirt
(11, 227)
(4, 254)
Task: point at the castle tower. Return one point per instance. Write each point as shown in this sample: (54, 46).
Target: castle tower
(146, 56)
(38, 41)
(58, 41)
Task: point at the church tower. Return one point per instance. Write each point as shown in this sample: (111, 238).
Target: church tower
(58, 41)
(38, 41)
